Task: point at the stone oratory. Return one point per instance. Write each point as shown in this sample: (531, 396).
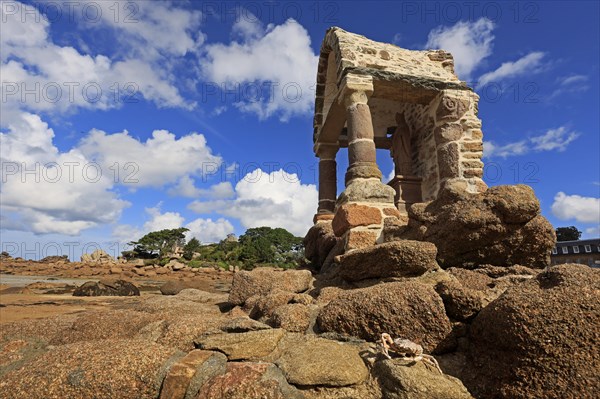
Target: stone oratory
(373, 95)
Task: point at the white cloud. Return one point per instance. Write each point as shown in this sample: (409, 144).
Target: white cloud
(572, 79)
(469, 42)
(67, 192)
(185, 188)
(493, 150)
(275, 199)
(208, 231)
(47, 191)
(247, 26)
(582, 209)
(61, 79)
(162, 221)
(279, 55)
(391, 175)
(554, 139)
(571, 84)
(150, 30)
(159, 160)
(208, 206)
(593, 231)
(528, 64)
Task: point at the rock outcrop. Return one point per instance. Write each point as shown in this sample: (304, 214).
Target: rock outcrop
(55, 259)
(98, 256)
(108, 288)
(405, 309)
(318, 244)
(539, 339)
(404, 258)
(249, 380)
(501, 226)
(262, 281)
(402, 379)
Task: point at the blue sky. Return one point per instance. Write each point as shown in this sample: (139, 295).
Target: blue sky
(119, 118)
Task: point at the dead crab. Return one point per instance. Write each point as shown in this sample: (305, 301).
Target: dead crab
(407, 350)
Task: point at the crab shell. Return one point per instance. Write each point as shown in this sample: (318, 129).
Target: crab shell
(407, 347)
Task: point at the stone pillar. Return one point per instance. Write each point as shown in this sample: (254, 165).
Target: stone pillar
(362, 209)
(327, 181)
(361, 145)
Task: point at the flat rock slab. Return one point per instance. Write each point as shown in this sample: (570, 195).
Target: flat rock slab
(125, 368)
(243, 324)
(310, 361)
(251, 345)
(405, 258)
(249, 380)
(406, 379)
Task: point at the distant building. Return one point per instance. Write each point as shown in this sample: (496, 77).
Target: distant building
(586, 252)
(231, 238)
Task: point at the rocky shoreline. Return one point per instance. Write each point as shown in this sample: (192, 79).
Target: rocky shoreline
(291, 334)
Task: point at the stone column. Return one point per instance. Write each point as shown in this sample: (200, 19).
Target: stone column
(362, 209)
(361, 144)
(327, 181)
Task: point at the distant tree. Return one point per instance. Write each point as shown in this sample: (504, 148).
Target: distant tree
(282, 239)
(258, 250)
(192, 246)
(268, 245)
(570, 233)
(159, 243)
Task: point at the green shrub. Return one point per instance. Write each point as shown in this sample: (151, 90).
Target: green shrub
(163, 262)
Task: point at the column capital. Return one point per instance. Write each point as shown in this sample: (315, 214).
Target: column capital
(326, 151)
(355, 89)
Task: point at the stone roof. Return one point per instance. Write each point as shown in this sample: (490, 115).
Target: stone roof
(411, 76)
(356, 51)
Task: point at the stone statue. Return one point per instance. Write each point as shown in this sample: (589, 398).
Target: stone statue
(401, 150)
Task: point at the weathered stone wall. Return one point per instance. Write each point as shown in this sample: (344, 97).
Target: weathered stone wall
(424, 157)
(458, 138)
(446, 140)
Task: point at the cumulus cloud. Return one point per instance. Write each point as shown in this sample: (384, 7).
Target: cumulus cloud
(469, 42)
(45, 190)
(527, 64)
(275, 199)
(553, 140)
(159, 160)
(162, 221)
(48, 191)
(60, 78)
(149, 30)
(579, 208)
(275, 64)
(186, 188)
(209, 231)
(205, 230)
